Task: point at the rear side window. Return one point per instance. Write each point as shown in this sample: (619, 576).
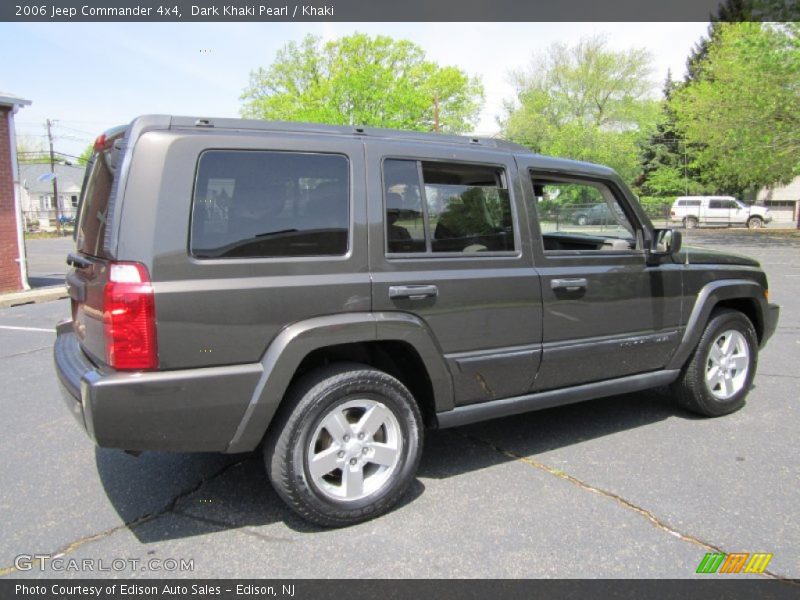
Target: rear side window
(446, 208)
(255, 204)
(98, 191)
(689, 203)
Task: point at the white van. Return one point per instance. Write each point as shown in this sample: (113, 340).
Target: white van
(693, 211)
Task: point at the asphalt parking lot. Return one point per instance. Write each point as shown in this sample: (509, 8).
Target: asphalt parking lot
(628, 486)
(46, 264)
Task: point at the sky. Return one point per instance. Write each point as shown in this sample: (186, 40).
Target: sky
(92, 76)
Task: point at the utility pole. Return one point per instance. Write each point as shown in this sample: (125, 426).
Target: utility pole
(685, 168)
(55, 179)
(436, 126)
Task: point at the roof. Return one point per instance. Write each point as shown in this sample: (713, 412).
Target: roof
(7, 99)
(377, 132)
(706, 197)
(70, 178)
(146, 122)
(150, 122)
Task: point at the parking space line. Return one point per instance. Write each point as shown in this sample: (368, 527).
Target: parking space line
(27, 328)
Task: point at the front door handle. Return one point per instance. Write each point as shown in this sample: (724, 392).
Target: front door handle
(569, 285)
(412, 292)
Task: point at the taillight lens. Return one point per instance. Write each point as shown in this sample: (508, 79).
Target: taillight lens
(129, 318)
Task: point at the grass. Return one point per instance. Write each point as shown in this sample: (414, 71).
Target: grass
(45, 235)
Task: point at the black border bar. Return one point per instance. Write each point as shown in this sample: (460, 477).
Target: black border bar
(387, 10)
(715, 587)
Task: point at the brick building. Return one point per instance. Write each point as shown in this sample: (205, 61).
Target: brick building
(13, 274)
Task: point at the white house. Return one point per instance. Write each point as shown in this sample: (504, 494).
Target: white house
(783, 201)
(38, 207)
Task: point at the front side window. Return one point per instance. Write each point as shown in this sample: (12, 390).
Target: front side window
(584, 208)
(251, 204)
(458, 208)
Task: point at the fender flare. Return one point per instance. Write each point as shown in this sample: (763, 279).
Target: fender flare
(709, 296)
(288, 349)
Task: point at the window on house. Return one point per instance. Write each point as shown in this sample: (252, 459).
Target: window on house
(74, 201)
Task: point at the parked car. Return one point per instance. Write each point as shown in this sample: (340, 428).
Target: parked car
(597, 214)
(693, 211)
(325, 294)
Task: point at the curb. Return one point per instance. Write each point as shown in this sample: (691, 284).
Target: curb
(45, 294)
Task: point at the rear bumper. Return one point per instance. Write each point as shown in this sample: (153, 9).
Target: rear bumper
(187, 410)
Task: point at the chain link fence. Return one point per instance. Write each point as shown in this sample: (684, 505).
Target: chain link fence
(46, 221)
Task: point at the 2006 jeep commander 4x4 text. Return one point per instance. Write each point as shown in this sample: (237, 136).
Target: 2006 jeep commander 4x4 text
(327, 293)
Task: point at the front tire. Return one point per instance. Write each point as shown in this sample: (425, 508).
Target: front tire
(346, 446)
(717, 377)
(755, 223)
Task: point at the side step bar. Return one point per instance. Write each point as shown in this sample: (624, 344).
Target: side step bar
(464, 415)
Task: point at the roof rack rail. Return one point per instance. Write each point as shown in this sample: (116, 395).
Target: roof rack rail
(180, 122)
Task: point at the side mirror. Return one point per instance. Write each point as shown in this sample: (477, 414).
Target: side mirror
(666, 242)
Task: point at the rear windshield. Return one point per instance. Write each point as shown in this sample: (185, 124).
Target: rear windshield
(98, 188)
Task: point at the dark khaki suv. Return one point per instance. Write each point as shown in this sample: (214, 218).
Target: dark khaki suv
(328, 293)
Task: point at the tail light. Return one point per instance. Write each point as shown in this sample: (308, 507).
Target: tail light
(129, 318)
(100, 142)
(672, 213)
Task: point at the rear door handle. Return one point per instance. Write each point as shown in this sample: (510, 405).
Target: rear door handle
(412, 292)
(569, 285)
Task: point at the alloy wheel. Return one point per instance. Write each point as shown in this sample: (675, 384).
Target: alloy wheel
(355, 450)
(727, 364)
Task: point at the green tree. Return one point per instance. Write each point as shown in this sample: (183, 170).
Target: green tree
(83, 159)
(742, 111)
(363, 80)
(665, 155)
(585, 102)
(30, 149)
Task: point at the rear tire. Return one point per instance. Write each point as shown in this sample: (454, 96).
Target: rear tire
(717, 377)
(346, 445)
(690, 223)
